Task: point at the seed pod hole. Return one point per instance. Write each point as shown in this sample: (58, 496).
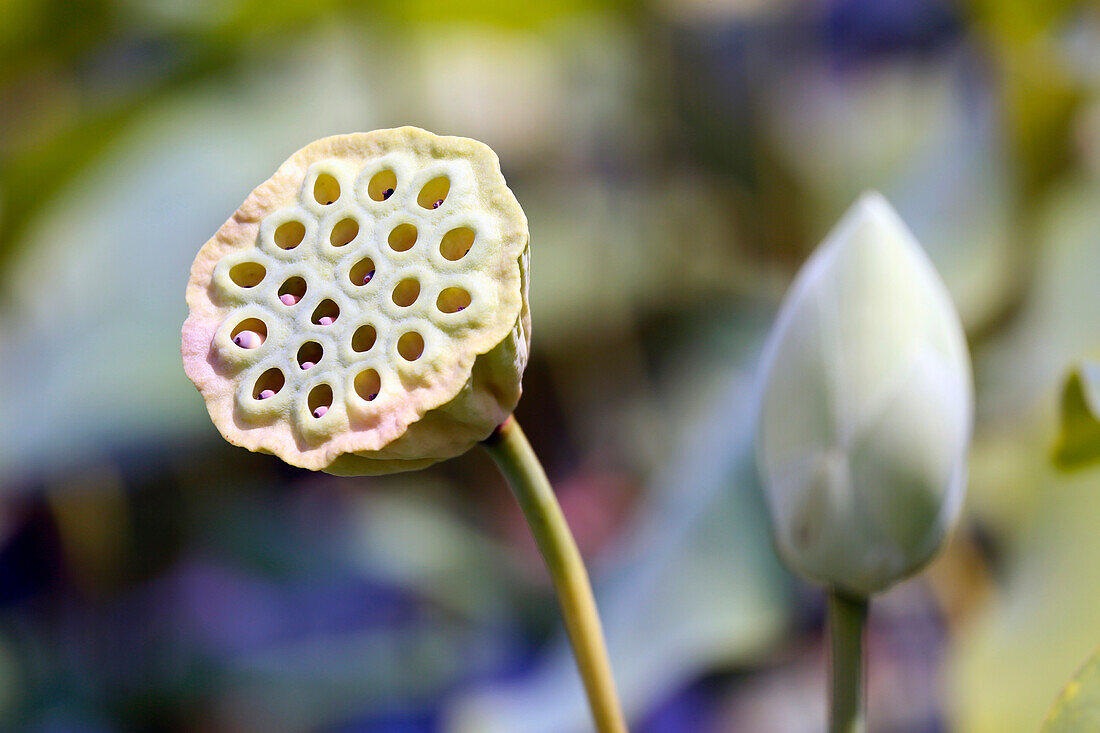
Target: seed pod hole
(268, 385)
(310, 354)
(452, 300)
(406, 292)
(363, 338)
(410, 346)
(344, 231)
(319, 400)
(326, 189)
(434, 192)
(290, 234)
(368, 384)
(403, 237)
(326, 313)
(247, 274)
(362, 272)
(292, 291)
(456, 243)
(382, 185)
(249, 333)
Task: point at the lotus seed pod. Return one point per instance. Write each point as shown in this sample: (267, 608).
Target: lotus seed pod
(867, 406)
(383, 279)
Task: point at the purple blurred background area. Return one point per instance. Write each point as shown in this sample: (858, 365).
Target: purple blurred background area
(677, 161)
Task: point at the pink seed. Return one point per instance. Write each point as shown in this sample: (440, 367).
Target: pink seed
(437, 204)
(288, 298)
(387, 193)
(267, 394)
(369, 277)
(307, 364)
(320, 411)
(325, 321)
(248, 339)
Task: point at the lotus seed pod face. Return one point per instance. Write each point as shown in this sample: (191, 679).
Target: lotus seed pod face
(867, 407)
(365, 310)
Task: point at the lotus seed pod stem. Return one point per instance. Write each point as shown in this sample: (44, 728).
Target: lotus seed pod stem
(509, 448)
(865, 419)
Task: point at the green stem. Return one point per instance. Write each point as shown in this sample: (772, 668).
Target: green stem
(517, 461)
(847, 619)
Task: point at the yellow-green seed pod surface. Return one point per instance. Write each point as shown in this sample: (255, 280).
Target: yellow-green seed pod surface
(866, 411)
(365, 309)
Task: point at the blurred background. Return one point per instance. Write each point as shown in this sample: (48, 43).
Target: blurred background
(677, 162)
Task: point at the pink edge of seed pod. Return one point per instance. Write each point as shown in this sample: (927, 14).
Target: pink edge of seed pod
(325, 321)
(320, 411)
(247, 339)
(267, 394)
(307, 364)
(288, 298)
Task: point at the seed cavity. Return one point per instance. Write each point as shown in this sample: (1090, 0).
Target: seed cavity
(326, 189)
(382, 185)
(402, 238)
(344, 231)
(456, 243)
(434, 192)
(319, 400)
(268, 385)
(309, 354)
(326, 313)
(247, 274)
(406, 292)
(292, 291)
(249, 333)
(410, 346)
(362, 272)
(368, 384)
(452, 300)
(363, 338)
(290, 234)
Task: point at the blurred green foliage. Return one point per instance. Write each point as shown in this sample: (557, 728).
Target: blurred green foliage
(677, 160)
(1079, 441)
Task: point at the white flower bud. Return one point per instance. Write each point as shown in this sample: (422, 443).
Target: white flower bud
(867, 407)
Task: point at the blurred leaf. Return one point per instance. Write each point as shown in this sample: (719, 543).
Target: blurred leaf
(1078, 707)
(1079, 442)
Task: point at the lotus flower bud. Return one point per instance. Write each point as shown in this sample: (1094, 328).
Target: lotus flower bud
(867, 406)
(365, 310)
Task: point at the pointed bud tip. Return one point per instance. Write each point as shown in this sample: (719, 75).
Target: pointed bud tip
(873, 210)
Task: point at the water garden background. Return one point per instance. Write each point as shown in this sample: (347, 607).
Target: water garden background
(677, 161)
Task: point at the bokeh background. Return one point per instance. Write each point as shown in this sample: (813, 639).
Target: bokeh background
(677, 162)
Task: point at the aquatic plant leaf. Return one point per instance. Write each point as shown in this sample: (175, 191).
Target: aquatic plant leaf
(1079, 440)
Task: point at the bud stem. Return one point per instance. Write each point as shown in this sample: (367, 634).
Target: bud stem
(516, 459)
(847, 620)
